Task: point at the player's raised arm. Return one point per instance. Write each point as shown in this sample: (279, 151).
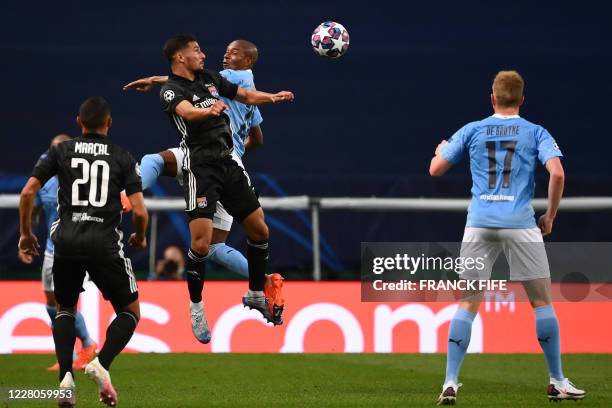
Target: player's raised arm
(253, 97)
(146, 84)
(556, 183)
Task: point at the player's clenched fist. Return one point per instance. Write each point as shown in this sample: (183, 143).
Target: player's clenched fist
(283, 96)
(218, 108)
(135, 242)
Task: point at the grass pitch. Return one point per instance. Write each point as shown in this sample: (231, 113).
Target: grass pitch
(316, 380)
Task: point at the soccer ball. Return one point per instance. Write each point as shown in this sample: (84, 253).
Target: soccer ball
(330, 40)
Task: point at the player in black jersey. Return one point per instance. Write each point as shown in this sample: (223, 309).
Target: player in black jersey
(191, 100)
(92, 172)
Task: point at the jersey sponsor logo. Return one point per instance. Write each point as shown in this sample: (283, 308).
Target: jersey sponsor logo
(206, 103)
(169, 95)
(202, 202)
(195, 97)
(81, 217)
(496, 197)
(97, 149)
(213, 90)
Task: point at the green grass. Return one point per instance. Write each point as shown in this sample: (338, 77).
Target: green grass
(317, 380)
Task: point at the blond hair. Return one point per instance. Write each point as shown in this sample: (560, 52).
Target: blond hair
(508, 88)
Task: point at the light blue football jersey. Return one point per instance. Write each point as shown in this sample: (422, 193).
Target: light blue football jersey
(504, 151)
(242, 117)
(47, 199)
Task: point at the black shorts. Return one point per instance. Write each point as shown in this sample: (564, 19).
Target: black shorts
(223, 180)
(113, 276)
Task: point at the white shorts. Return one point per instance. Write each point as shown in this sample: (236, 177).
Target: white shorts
(47, 272)
(221, 219)
(524, 250)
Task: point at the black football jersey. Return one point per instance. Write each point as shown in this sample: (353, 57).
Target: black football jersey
(206, 139)
(91, 172)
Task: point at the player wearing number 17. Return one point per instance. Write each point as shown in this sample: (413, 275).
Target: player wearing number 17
(504, 150)
(91, 172)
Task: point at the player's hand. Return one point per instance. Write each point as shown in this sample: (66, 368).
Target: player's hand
(283, 96)
(141, 85)
(29, 244)
(440, 146)
(218, 108)
(137, 243)
(25, 258)
(546, 223)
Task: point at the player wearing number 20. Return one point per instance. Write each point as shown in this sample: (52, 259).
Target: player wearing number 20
(91, 172)
(504, 150)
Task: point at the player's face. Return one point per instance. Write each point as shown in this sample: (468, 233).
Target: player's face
(193, 57)
(236, 57)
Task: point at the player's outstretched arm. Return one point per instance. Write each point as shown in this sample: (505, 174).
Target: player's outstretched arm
(27, 240)
(254, 139)
(556, 183)
(146, 84)
(253, 97)
(439, 165)
(140, 217)
(192, 114)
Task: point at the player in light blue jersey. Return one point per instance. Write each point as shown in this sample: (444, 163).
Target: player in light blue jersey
(46, 200)
(504, 150)
(245, 120)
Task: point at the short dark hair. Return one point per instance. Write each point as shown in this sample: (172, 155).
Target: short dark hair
(176, 43)
(94, 112)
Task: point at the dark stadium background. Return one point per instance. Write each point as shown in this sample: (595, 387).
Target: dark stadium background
(364, 125)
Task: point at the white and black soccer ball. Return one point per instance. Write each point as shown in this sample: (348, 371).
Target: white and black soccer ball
(330, 40)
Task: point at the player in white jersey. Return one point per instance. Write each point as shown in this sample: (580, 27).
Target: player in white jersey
(245, 121)
(504, 150)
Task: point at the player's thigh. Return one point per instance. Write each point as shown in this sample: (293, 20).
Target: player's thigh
(481, 247)
(68, 277)
(238, 195)
(222, 223)
(202, 185)
(538, 291)
(47, 272)
(173, 162)
(526, 254)
(115, 279)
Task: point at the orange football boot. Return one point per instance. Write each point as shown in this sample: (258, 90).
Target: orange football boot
(86, 354)
(273, 289)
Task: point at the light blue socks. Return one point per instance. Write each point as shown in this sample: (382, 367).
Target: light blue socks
(229, 258)
(151, 167)
(547, 329)
(458, 341)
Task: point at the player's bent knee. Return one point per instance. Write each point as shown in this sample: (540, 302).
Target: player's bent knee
(200, 246)
(259, 233)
